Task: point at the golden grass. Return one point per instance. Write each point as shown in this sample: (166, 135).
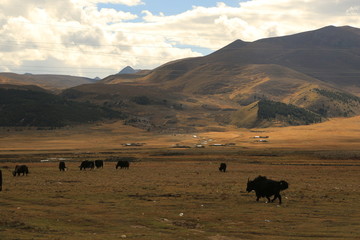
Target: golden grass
(336, 134)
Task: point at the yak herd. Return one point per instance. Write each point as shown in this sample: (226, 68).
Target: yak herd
(263, 187)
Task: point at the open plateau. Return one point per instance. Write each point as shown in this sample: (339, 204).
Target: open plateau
(287, 108)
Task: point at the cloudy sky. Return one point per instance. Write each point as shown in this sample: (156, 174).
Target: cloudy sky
(100, 37)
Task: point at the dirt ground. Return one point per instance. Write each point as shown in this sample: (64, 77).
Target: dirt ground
(179, 193)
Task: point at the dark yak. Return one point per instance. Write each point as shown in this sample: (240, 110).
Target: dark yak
(99, 163)
(123, 164)
(21, 169)
(222, 167)
(0, 181)
(264, 187)
(86, 164)
(62, 166)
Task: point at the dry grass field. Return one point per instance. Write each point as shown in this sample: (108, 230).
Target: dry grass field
(171, 193)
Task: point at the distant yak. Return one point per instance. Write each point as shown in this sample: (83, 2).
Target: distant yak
(21, 169)
(86, 164)
(62, 166)
(123, 164)
(264, 187)
(222, 167)
(99, 163)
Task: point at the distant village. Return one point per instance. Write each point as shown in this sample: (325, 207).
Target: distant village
(203, 142)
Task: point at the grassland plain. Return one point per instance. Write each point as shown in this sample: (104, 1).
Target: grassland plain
(179, 193)
(181, 197)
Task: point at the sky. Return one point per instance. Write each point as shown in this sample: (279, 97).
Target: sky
(97, 38)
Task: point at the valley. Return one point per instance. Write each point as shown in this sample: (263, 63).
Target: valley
(334, 135)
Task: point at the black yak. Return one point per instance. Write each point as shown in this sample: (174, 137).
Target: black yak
(86, 164)
(99, 163)
(123, 164)
(222, 167)
(264, 187)
(21, 169)
(62, 166)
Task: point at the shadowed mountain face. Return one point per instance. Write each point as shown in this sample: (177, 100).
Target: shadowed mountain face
(32, 106)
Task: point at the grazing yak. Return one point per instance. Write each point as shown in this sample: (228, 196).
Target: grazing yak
(86, 164)
(99, 163)
(62, 166)
(222, 167)
(21, 169)
(123, 164)
(264, 187)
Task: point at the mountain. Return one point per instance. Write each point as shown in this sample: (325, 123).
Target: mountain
(46, 81)
(317, 71)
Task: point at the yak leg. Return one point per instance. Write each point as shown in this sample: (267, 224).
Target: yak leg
(277, 196)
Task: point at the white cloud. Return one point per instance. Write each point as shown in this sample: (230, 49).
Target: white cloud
(353, 11)
(86, 40)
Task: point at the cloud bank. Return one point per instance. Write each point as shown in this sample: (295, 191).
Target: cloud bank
(77, 37)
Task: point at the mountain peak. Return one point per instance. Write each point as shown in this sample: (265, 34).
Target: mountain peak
(234, 45)
(127, 70)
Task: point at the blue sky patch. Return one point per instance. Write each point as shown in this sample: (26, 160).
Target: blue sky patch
(168, 7)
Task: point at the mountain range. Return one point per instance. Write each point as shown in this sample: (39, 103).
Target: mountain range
(46, 81)
(291, 80)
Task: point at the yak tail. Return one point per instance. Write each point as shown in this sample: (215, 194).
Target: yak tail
(283, 185)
